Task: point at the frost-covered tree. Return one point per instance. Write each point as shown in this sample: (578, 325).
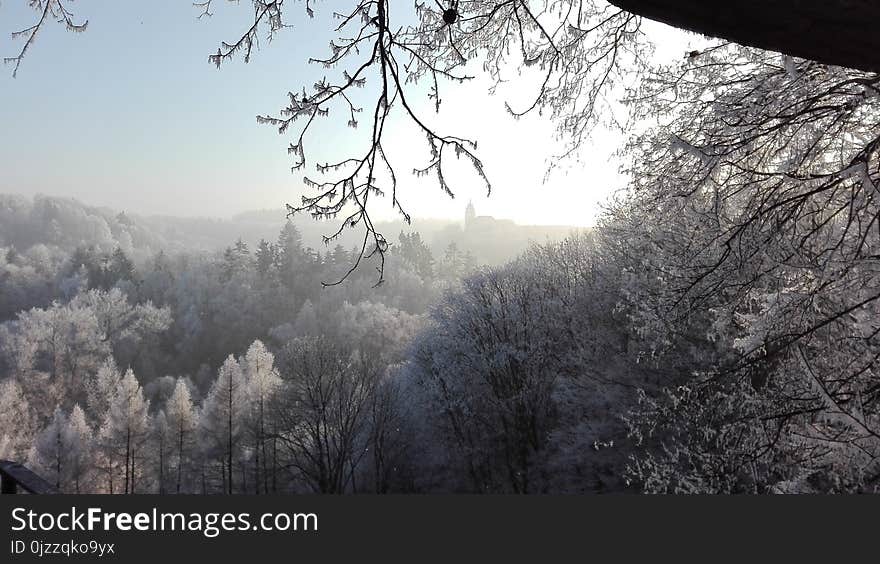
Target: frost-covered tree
(124, 433)
(162, 445)
(416, 254)
(519, 372)
(392, 444)
(18, 423)
(101, 389)
(376, 329)
(28, 278)
(62, 451)
(769, 166)
(49, 453)
(222, 416)
(262, 382)
(265, 257)
(123, 325)
(321, 411)
(490, 367)
(80, 441)
(56, 349)
(182, 422)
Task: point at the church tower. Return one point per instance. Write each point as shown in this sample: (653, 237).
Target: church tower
(469, 214)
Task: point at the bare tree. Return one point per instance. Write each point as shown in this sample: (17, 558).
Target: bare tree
(322, 411)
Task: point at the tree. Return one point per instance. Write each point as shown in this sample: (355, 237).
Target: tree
(101, 389)
(295, 269)
(518, 372)
(125, 431)
(161, 434)
(262, 381)
(416, 253)
(321, 411)
(237, 260)
(61, 452)
(121, 267)
(307, 321)
(56, 349)
(376, 329)
(491, 373)
(122, 324)
(290, 256)
(80, 443)
(390, 450)
(265, 258)
(182, 421)
(48, 452)
(18, 423)
(222, 415)
(768, 164)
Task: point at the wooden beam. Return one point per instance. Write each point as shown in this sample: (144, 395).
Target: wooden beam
(14, 476)
(836, 32)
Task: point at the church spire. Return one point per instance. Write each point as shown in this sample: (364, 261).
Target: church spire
(469, 214)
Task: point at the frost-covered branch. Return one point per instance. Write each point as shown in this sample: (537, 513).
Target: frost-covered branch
(47, 10)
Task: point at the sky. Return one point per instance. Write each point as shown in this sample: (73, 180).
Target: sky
(130, 115)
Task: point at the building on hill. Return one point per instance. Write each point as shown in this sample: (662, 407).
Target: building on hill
(474, 222)
(495, 241)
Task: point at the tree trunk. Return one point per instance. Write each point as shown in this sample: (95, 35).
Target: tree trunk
(229, 434)
(127, 455)
(161, 466)
(274, 462)
(58, 450)
(179, 456)
(257, 450)
(131, 489)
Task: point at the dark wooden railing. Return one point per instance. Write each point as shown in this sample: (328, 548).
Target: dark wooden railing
(15, 478)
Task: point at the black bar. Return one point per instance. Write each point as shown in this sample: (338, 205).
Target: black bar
(502, 529)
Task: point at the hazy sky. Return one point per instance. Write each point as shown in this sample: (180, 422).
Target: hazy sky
(131, 115)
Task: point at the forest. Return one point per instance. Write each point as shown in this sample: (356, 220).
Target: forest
(716, 331)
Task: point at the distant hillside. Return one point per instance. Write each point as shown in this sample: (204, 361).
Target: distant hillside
(68, 223)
